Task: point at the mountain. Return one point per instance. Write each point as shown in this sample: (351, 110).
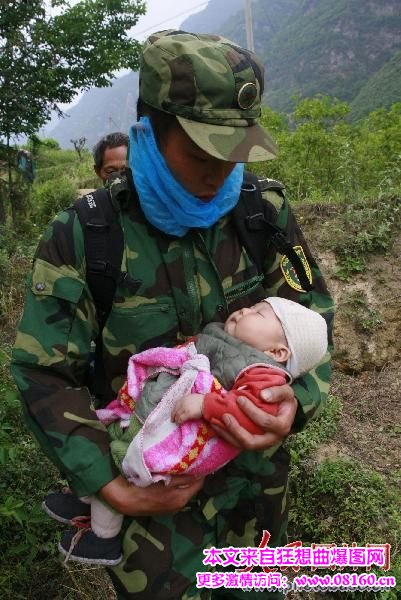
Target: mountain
(320, 46)
(381, 90)
(268, 19)
(99, 111)
(212, 18)
(348, 49)
(330, 47)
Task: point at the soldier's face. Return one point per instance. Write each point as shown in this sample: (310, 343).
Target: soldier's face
(199, 173)
(114, 159)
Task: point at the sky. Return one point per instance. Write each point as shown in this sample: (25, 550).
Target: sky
(165, 14)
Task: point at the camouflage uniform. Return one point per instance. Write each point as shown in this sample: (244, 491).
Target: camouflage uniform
(184, 284)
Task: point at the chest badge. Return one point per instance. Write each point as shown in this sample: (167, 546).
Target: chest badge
(289, 272)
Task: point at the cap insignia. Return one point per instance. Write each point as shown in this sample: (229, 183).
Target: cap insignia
(247, 95)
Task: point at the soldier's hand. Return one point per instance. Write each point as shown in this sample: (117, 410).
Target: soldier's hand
(277, 427)
(154, 499)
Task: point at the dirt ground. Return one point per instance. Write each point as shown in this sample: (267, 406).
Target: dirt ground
(367, 356)
(367, 364)
(370, 428)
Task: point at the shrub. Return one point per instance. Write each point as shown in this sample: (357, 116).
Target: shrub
(364, 227)
(51, 196)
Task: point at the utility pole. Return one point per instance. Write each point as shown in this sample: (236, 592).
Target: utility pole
(249, 25)
(128, 115)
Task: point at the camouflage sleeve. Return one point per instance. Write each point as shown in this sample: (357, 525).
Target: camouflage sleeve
(50, 358)
(311, 390)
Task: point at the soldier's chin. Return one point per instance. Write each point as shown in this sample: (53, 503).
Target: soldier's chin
(206, 198)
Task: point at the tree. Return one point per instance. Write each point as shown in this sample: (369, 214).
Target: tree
(45, 59)
(79, 145)
(318, 148)
(379, 148)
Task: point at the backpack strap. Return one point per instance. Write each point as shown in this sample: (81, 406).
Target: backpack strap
(253, 218)
(103, 240)
(104, 246)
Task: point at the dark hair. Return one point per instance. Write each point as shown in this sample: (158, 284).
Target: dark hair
(111, 140)
(162, 122)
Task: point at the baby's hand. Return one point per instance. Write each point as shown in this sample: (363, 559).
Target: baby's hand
(188, 407)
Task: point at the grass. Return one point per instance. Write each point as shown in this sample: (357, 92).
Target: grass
(341, 500)
(30, 565)
(365, 318)
(362, 228)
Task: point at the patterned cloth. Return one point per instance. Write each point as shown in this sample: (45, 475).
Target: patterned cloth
(161, 446)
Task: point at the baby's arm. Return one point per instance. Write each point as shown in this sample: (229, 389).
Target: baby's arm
(213, 405)
(188, 407)
(249, 384)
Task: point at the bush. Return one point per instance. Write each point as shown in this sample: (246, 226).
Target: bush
(8, 240)
(341, 501)
(51, 196)
(322, 155)
(364, 227)
(50, 143)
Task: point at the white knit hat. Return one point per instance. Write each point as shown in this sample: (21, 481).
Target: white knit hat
(306, 333)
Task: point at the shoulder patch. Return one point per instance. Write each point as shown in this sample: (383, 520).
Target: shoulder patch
(275, 198)
(289, 272)
(266, 183)
(272, 191)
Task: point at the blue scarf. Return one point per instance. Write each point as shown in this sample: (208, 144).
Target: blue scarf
(166, 204)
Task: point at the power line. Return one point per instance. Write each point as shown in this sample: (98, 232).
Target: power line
(185, 12)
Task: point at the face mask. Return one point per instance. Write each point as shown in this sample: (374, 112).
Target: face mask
(166, 204)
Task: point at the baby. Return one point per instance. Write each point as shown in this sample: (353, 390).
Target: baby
(162, 421)
(264, 327)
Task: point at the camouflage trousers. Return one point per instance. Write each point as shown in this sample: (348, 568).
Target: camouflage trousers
(163, 554)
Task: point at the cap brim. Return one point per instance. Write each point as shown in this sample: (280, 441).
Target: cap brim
(235, 144)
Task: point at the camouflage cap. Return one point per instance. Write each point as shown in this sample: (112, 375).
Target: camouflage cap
(214, 88)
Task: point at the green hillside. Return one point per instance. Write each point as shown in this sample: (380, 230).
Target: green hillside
(320, 46)
(331, 48)
(269, 18)
(382, 90)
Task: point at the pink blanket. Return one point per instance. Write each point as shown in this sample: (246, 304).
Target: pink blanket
(162, 448)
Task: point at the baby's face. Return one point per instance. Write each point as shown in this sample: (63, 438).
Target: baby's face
(256, 326)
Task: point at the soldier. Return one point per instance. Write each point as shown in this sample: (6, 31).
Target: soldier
(199, 102)
(110, 154)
